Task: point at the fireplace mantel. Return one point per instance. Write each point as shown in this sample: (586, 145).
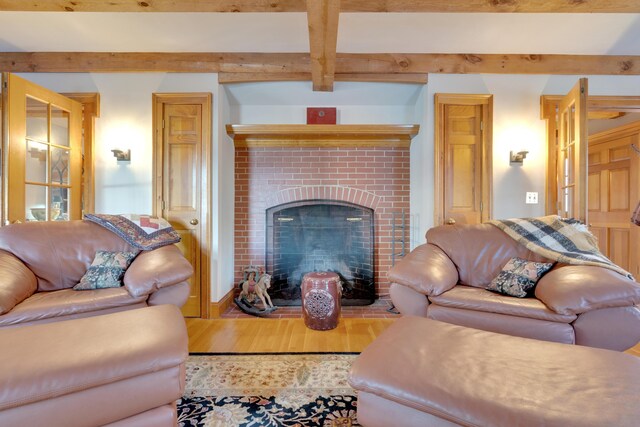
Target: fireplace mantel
(279, 135)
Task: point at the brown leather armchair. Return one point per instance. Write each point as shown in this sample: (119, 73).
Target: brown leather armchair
(446, 279)
(40, 262)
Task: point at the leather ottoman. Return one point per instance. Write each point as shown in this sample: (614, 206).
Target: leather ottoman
(121, 369)
(422, 372)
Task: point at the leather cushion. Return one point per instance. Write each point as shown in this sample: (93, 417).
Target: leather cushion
(474, 377)
(505, 324)
(470, 298)
(65, 302)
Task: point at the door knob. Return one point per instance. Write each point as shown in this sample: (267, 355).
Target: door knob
(193, 222)
(451, 221)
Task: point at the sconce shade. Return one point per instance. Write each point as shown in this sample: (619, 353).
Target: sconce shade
(122, 156)
(517, 157)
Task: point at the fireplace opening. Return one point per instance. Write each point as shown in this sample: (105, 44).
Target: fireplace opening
(320, 235)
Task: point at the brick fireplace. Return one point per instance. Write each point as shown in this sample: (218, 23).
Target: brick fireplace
(369, 177)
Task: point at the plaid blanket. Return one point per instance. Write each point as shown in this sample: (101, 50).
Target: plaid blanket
(562, 240)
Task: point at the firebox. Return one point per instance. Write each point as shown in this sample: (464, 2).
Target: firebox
(320, 235)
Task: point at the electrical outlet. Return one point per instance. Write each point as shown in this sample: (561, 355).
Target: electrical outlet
(531, 198)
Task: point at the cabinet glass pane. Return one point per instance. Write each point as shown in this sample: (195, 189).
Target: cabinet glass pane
(59, 126)
(59, 204)
(37, 120)
(36, 202)
(35, 163)
(59, 165)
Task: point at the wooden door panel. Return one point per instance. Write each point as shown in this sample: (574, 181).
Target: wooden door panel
(619, 246)
(463, 161)
(593, 184)
(619, 190)
(181, 190)
(182, 180)
(601, 234)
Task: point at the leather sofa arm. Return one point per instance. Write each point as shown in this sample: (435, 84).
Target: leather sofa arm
(575, 289)
(426, 269)
(156, 269)
(17, 282)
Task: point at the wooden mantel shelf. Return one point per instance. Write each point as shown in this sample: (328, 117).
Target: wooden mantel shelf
(322, 135)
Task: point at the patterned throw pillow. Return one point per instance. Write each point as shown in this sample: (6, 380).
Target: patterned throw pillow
(518, 277)
(106, 270)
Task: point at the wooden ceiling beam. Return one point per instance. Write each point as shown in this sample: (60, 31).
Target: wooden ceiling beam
(225, 78)
(346, 63)
(468, 6)
(154, 6)
(492, 6)
(104, 62)
(322, 16)
(487, 63)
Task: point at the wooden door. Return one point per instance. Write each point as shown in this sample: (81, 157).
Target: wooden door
(181, 150)
(463, 171)
(571, 153)
(613, 185)
(43, 154)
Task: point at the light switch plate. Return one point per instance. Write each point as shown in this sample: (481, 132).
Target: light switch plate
(531, 198)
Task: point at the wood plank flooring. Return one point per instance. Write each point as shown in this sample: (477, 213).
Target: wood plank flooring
(257, 335)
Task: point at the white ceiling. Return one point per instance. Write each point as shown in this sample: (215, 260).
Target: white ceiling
(597, 34)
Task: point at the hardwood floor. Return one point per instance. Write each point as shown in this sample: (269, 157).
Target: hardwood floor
(257, 335)
(287, 335)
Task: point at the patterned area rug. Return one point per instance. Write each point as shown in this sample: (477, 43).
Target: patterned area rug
(268, 390)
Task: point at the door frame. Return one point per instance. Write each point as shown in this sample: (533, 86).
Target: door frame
(548, 110)
(204, 99)
(486, 102)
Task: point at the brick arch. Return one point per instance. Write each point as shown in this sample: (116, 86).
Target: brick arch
(324, 192)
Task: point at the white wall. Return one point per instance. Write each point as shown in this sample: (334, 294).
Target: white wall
(126, 122)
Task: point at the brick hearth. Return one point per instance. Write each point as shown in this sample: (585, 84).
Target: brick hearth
(374, 177)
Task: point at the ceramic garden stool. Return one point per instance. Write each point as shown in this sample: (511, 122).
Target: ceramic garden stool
(321, 292)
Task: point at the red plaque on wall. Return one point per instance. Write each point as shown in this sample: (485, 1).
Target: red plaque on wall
(321, 116)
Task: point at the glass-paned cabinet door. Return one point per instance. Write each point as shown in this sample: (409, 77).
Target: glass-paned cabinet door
(44, 154)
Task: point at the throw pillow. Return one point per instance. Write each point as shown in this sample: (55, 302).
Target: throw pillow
(518, 277)
(106, 270)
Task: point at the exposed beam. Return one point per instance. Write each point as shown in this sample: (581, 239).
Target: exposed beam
(487, 63)
(322, 16)
(469, 6)
(346, 63)
(154, 6)
(70, 62)
(418, 78)
(303, 77)
(493, 6)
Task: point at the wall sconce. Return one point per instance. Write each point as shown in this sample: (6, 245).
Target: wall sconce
(517, 157)
(122, 156)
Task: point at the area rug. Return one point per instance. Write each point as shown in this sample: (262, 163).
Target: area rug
(268, 390)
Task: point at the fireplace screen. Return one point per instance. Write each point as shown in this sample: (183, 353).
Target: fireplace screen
(320, 235)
